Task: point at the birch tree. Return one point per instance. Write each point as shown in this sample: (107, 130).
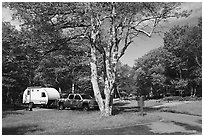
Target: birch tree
(126, 21)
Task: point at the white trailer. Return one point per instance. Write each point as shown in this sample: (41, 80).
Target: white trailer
(40, 96)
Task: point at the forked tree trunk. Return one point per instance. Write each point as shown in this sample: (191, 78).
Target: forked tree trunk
(106, 109)
(107, 106)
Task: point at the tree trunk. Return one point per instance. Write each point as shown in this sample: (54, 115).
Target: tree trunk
(110, 64)
(72, 87)
(109, 84)
(94, 75)
(195, 91)
(109, 92)
(8, 96)
(192, 90)
(108, 110)
(94, 81)
(60, 91)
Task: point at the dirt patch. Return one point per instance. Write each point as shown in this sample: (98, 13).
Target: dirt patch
(171, 110)
(183, 107)
(168, 127)
(189, 127)
(169, 104)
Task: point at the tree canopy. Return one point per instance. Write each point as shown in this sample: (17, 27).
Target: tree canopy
(175, 68)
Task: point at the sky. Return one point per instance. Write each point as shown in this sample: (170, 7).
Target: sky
(141, 45)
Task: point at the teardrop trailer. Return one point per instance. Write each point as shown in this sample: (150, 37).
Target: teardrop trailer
(40, 96)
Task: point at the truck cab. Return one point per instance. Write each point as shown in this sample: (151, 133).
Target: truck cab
(80, 101)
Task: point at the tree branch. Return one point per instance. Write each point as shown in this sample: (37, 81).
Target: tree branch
(55, 48)
(124, 49)
(145, 32)
(72, 25)
(196, 59)
(127, 43)
(122, 52)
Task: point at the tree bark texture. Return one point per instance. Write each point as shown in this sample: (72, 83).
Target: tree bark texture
(94, 81)
(110, 65)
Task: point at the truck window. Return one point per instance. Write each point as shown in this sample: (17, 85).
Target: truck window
(43, 94)
(86, 96)
(71, 96)
(77, 97)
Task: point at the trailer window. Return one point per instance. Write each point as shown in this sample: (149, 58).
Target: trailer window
(43, 94)
(28, 92)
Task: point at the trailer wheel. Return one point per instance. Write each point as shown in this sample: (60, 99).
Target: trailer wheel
(30, 106)
(61, 106)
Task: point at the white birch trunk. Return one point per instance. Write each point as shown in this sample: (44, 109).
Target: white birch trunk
(94, 81)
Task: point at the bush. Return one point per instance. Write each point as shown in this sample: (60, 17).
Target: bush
(173, 98)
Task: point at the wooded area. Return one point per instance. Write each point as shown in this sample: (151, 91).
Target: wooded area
(78, 46)
(174, 69)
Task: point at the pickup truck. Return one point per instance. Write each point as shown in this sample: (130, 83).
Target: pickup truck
(81, 101)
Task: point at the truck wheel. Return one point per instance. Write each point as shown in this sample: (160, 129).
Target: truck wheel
(30, 106)
(47, 106)
(85, 108)
(61, 106)
(72, 108)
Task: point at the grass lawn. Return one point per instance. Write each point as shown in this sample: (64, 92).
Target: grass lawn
(191, 107)
(52, 121)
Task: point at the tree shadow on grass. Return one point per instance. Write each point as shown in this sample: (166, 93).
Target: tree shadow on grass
(130, 130)
(5, 113)
(20, 130)
(12, 107)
